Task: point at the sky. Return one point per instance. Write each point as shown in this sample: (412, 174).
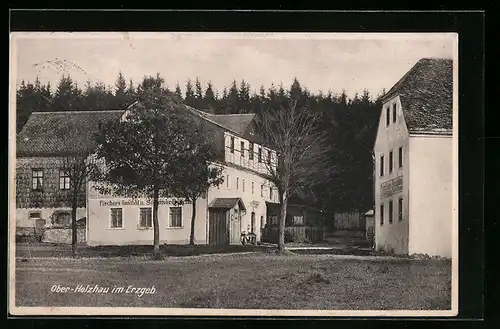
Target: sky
(320, 61)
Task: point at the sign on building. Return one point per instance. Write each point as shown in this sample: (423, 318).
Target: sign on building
(391, 187)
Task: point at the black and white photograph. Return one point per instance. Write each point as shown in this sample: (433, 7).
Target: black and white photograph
(233, 173)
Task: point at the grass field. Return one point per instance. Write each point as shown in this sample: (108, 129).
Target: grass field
(255, 280)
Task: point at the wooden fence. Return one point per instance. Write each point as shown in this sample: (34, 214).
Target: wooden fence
(301, 234)
(349, 221)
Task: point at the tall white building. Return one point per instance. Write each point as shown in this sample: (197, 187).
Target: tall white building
(414, 162)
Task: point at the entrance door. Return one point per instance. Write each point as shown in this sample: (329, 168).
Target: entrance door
(218, 232)
(235, 227)
(252, 222)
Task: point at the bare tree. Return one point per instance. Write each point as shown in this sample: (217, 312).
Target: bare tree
(300, 160)
(76, 166)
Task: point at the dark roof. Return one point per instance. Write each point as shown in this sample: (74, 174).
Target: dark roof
(49, 133)
(237, 123)
(426, 94)
(227, 203)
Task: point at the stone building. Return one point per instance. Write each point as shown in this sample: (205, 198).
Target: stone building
(42, 184)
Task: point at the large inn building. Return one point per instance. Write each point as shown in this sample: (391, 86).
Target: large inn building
(241, 203)
(414, 162)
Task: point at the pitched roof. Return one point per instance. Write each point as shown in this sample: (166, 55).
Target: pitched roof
(227, 203)
(426, 94)
(237, 123)
(48, 133)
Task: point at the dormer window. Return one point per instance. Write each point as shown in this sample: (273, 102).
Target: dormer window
(260, 154)
(242, 148)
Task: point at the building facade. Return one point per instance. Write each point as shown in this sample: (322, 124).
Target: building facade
(43, 197)
(237, 205)
(414, 163)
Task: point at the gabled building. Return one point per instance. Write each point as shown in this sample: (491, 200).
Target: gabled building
(236, 206)
(414, 162)
(42, 185)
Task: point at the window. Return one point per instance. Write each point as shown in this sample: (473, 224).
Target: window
(64, 179)
(400, 157)
(272, 220)
(387, 116)
(242, 147)
(232, 145)
(175, 217)
(400, 209)
(61, 219)
(145, 218)
(381, 214)
(298, 220)
(250, 151)
(227, 181)
(390, 212)
(394, 112)
(252, 223)
(260, 155)
(381, 165)
(253, 189)
(271, 193)
(35, 215)
(116, 218)
(262, 190)
(37, 179)
(243, 185)
(237, 183)
(390, 161)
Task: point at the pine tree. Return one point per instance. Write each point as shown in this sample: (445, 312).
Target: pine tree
(63, 98)
(198, 96)
(46, 97)
(190, 98)
(232, 99)
(130, 94)
(244, 97)
(26, 102)
(296, 90)
(222, 107)
(178, 91)
(120, 92)
(343, 98)
(77, 95)
(209, 98)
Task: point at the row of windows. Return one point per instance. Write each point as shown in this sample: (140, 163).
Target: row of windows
(250, 150)
(391, 211)
(391, 161)
(37, 179)
(262, 187)
(388, 114)
(146, 217)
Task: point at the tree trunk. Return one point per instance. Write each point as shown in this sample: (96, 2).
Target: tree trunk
(156, 228)
(193, 220)
(282, 221)
(74, 232)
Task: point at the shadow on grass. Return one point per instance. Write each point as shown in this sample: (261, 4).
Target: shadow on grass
(52, 250)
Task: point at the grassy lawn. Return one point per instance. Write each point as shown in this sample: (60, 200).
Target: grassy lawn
(256, 280)
(53, 250)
